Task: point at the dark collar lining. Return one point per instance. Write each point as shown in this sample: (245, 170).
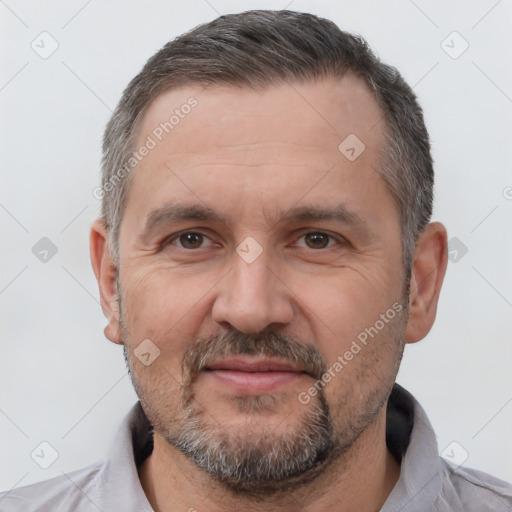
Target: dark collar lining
(399, 421)
(142, 436)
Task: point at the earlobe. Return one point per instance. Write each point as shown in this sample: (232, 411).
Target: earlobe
(106, 273)
(429, 268)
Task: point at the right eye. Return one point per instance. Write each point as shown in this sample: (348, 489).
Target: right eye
(187, 240)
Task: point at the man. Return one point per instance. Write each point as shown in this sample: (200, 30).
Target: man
(264, 253)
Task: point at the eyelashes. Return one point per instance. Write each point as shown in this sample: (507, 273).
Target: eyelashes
(191, 240)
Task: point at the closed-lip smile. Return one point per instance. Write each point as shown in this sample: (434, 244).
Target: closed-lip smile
(254, 375)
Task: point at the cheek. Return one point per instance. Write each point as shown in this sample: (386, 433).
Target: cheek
(349, 301)
(365, 364)
(165, 308)
(362, 346)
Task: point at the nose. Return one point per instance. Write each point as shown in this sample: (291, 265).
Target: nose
(252, 297)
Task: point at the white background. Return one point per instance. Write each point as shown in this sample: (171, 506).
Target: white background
(62, 382)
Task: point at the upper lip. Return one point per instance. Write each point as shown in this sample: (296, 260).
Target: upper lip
(260, 365)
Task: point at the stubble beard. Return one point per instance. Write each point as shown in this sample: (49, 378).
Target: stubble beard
(268, 464)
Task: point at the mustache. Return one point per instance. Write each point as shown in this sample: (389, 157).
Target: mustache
(272, 344)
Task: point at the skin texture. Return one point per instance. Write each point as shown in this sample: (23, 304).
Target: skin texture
(248, 155)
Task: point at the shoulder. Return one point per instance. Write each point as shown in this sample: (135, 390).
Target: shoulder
(72, 491)
(471, 490)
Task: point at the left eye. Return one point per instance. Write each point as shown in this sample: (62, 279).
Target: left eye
(317, 240)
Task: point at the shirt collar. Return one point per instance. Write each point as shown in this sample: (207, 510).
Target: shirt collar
(420, 472)
(120, 481)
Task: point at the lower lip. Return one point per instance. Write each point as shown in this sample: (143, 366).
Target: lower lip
(255, 381)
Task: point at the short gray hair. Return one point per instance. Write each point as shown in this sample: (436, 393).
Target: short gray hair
(259, 48)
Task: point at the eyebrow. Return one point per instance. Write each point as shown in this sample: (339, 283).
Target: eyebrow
(175, 213)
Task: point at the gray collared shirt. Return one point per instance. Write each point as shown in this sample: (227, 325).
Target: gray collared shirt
(427, 481)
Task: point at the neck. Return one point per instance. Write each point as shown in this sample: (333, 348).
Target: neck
(361, 479)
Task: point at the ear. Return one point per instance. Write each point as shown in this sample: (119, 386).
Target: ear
(429, 268)
(105, 272)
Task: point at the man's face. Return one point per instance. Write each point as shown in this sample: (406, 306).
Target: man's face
(227, 297)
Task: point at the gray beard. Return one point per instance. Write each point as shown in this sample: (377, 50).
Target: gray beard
(269, 465)
(265, 464)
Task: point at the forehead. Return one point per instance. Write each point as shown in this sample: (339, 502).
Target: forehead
(261, 147)
(317, 113)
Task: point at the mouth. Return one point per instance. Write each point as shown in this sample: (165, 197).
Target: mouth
(254, 375)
